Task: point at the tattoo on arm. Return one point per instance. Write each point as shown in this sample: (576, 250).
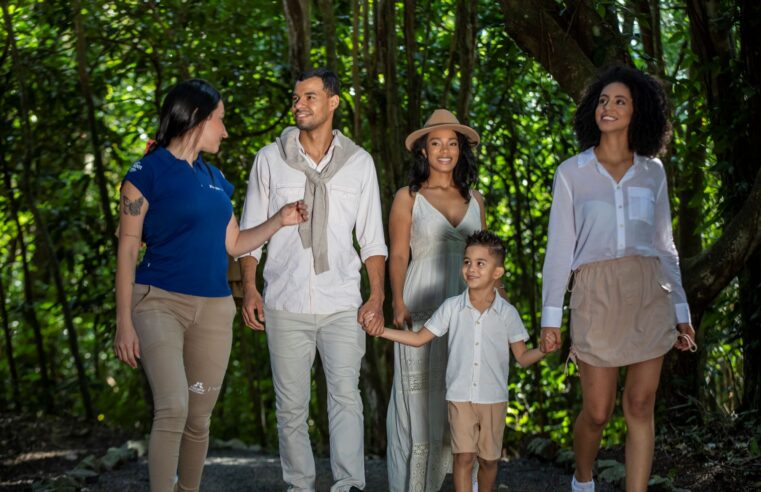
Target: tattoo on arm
(132, 207)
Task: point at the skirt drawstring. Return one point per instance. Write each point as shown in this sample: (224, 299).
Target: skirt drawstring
(693, 347)
(571, 358)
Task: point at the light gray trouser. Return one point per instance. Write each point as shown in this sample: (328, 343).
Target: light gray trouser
(184, 345)
(292, 339)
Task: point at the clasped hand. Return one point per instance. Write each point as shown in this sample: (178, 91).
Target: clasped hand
(370, 316)
(294, 213)
(550, 340)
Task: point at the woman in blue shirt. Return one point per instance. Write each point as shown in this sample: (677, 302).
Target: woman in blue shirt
(175, 312)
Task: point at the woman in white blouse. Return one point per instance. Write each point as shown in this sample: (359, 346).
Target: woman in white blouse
(610, 225)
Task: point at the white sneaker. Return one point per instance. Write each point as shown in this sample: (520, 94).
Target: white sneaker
(582, 486)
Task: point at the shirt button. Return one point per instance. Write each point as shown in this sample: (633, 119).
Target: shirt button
(620, 206)
(618, 187)
(475, 384)
(620, 225)
(476, 343)
(475, 364)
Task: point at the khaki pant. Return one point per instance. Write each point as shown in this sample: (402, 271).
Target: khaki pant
(184, 345)
(292, 340)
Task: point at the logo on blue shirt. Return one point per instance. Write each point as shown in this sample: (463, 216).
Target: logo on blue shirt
(135, 167)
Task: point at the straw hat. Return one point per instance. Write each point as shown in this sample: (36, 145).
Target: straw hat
(441, 118)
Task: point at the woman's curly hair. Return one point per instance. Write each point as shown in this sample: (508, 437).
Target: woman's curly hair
(649, 129)
(464, 174)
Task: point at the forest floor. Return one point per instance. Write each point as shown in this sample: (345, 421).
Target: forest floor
(42, 450)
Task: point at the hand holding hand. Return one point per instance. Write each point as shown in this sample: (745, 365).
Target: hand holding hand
(550, 339)
(293, 213)
(370, 316)
(126, 344)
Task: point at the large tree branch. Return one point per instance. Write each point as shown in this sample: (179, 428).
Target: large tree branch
(571, 43)
(709, 272)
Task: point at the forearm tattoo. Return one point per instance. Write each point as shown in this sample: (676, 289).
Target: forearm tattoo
(132, 207)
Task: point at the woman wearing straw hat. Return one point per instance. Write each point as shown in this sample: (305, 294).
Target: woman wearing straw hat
(428, 224)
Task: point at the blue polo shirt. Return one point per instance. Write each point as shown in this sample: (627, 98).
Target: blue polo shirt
(184, 230)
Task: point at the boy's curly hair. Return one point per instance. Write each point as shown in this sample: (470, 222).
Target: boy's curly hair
(490, 241)
(649, 129)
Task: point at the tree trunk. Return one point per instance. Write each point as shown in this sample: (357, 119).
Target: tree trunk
(299, 35)
(84, 82)
(329, 25)
(750, 281)
(412, 68)
(16, 393)
(466, 22)
(387, 49)
(355, 81)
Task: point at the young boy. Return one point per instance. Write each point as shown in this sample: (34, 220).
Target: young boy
(481, 324)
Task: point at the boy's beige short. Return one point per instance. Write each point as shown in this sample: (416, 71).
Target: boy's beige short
(477, 428)
(621, 312)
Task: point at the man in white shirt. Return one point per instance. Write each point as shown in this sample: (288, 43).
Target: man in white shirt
(312, 294)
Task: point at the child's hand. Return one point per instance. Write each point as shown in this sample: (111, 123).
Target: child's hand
(373, 332)
(550, 340)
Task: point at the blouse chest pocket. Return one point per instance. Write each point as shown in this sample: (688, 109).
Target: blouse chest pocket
(641, 204)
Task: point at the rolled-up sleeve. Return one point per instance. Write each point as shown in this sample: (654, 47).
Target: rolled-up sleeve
(369, 226)
(561, 241)
(256, 206)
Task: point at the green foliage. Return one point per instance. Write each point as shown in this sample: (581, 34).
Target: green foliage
(134, 51)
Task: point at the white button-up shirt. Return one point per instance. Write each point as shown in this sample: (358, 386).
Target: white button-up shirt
(479, 347)
(593, 218)
(290, 282)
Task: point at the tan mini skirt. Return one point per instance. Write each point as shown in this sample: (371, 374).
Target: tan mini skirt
(621, 312)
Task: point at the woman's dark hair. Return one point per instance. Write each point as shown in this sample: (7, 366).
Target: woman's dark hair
(185, 107)
(649, 129)
(464, 174)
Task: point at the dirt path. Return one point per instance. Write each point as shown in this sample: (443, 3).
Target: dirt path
(229, 470)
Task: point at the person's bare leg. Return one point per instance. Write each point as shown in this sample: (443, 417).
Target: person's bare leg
(598, 388)
(462, 471)
(639, 404)
(487, 474)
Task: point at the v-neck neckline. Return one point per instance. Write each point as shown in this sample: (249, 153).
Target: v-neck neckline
(441, 214)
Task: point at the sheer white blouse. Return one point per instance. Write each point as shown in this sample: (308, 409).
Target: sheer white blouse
(594, 218)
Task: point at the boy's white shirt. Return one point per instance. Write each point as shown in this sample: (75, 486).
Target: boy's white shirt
(479, 347)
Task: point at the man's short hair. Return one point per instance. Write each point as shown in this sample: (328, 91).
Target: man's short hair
(489, 240)
(330, 81)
